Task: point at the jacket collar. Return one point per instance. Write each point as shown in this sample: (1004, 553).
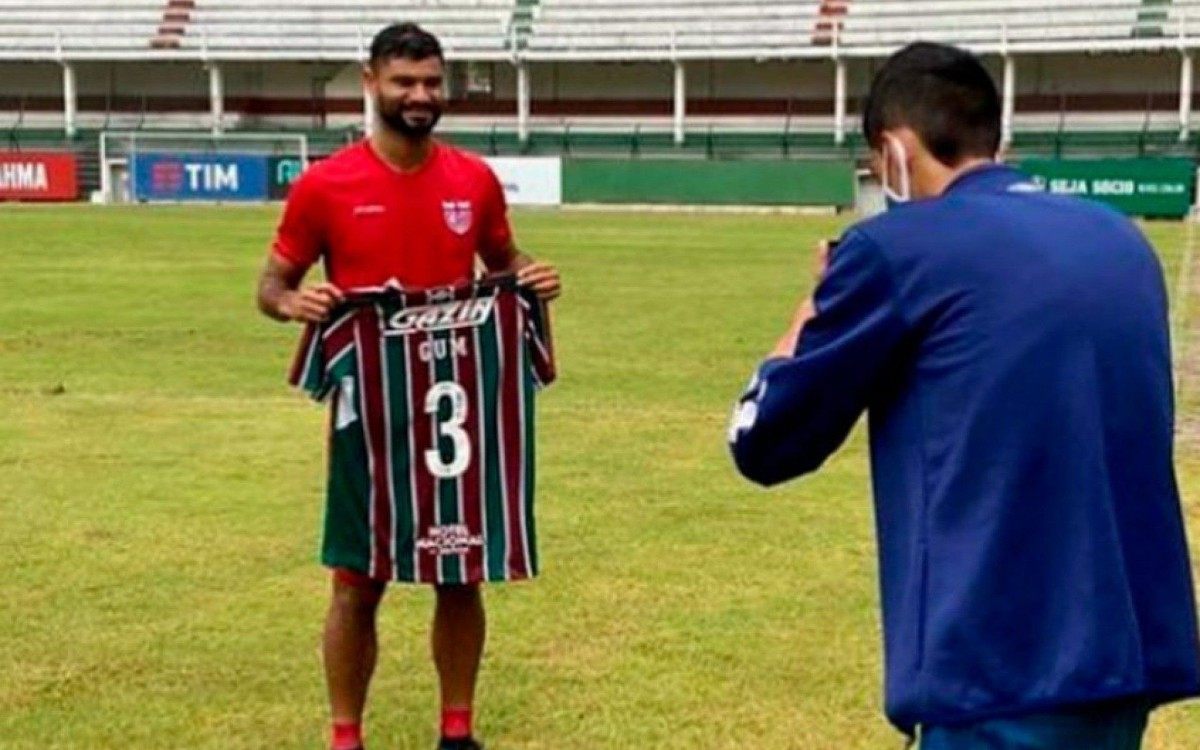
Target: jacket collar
(990, 178)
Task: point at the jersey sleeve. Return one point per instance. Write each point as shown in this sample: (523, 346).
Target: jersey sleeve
(798, 410)
(325, 354)
(538, 338)
(495, 231)
(300, 236)
(308, 372)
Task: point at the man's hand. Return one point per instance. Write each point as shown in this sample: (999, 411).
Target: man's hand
(825, 250)
(311, 304)
(786, 346)
(542, 278)
(280, 296)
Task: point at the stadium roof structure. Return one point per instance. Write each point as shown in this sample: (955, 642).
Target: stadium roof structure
(520, 32)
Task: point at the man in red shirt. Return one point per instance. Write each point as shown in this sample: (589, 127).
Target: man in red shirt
(397, 205)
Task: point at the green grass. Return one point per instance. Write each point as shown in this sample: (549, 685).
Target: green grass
(161, 492)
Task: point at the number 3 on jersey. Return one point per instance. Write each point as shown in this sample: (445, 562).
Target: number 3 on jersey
(451, 427)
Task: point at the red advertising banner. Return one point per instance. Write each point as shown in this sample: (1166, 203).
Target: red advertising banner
(38, 176)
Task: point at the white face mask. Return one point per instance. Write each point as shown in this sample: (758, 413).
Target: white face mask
(893, 149)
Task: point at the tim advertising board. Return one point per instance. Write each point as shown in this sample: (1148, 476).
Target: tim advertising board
(199, 177)
(38, 176)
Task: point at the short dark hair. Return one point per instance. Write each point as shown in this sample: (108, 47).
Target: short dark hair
(407, 40)
(944, 94)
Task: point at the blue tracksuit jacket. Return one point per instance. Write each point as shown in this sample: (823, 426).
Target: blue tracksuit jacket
(1011, 351)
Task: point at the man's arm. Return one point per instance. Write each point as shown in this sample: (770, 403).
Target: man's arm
(280, 296)
(786, 346)
(299, 241)
(542, 278)
(499, 252)
(805, 398)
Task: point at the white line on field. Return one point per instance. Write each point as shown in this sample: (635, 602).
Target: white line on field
(1183, 293)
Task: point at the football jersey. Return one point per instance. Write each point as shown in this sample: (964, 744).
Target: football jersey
(431, 466)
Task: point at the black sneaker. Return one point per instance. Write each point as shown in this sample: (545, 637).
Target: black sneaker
(465, 743)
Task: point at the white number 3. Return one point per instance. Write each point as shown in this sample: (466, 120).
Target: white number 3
(451, 428)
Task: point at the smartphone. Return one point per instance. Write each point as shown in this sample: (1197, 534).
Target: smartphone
(831, 245)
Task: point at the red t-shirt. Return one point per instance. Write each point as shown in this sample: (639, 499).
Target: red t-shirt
(370, 222)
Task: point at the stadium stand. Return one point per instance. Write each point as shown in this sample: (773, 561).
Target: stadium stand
(704, 29)
(669, 29)
(176, 16)
(581, 29)
(1018, 25)
(594, 77)
(307, 29)
(237, 29)
(81, 29)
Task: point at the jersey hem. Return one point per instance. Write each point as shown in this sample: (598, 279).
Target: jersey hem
(357, 568)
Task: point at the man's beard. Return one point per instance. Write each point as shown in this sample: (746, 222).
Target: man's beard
(393, 118)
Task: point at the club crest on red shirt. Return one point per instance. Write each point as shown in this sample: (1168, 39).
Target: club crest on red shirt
(457, 215)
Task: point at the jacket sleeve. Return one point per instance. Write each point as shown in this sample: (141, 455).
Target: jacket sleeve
(798, 410)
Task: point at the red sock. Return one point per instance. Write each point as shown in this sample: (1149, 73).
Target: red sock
(346, 735)
(456, 722)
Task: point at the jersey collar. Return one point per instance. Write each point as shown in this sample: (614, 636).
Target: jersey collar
(435, 151)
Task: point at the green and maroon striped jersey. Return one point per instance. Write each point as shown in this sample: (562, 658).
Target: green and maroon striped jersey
(431, 466)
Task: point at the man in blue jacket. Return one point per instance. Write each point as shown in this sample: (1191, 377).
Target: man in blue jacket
(1011, 351)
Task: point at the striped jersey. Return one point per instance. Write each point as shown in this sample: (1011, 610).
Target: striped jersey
(431, 460)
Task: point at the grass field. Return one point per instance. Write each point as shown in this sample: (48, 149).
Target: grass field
(160, 492)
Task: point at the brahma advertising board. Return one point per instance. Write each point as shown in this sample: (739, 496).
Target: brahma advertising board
(38, 176)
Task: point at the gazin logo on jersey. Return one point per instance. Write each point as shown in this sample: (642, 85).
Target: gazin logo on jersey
(457, 215)
(444, 316)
